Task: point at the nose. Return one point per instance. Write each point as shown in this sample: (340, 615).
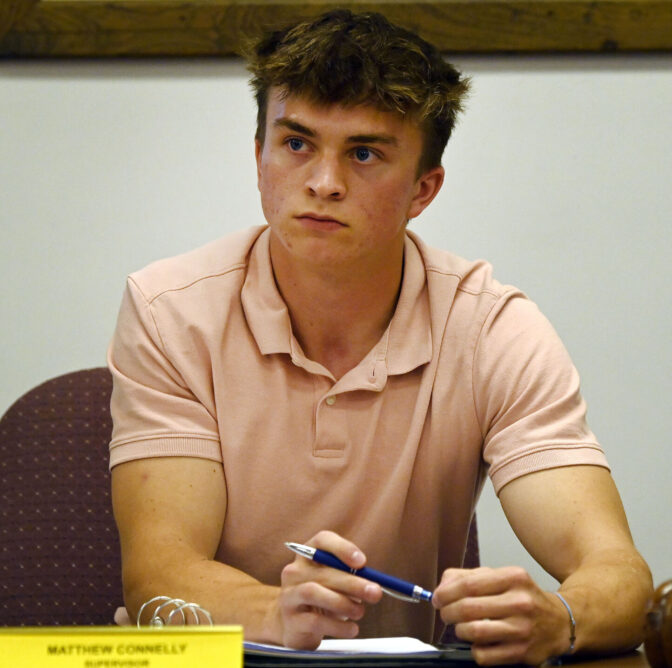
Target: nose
(326, 179)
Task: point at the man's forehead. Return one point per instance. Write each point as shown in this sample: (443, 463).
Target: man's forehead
(299, 107)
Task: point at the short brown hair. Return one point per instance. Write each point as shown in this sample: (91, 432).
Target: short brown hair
(352, 59)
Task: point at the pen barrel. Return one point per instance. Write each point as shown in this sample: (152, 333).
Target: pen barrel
(383, 579)
(388, 581)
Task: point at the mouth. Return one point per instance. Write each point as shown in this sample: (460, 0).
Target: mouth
(318, 220)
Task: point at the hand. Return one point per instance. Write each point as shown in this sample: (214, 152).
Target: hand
(504, 614)
(317, 601)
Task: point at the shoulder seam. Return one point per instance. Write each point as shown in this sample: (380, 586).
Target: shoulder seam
(235, 267)
(150, 311)
(461, 288)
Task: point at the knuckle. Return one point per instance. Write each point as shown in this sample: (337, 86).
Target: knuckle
(312, 624)
(523, 603)
(451, 574)
(479, 655)
(447, 614)
(525, 630)
(526, 606)
(304, 638)
(309, 590)
(289, 573)
(470, 587)
(471, 608)
(357, 609)
(518, 575)
(479, 633)
(462, 632)
(322, 536)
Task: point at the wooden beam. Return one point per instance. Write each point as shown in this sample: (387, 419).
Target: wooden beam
(85, 28)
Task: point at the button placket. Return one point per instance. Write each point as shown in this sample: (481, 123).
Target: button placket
(331, 429)
(331, 411)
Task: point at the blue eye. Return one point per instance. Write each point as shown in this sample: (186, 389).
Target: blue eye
(363, 154)
(295, 143)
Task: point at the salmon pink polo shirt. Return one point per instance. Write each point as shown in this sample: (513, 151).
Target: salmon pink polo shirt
(468, 380)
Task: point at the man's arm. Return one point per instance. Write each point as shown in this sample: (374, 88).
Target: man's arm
(170, 513)
(572, 522)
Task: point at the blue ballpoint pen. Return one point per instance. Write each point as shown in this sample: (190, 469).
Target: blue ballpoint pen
(406, 591)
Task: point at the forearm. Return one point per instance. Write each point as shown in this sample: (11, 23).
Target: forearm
(229, 595)
(608, 595)
(168, 548)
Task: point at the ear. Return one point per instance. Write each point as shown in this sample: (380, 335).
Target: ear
(426, 189)
(257, 156)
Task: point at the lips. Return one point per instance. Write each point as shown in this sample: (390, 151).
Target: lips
(320, 218)
(319, 221)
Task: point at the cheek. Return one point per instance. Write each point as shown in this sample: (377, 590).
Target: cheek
(387, 207)
(273, 192)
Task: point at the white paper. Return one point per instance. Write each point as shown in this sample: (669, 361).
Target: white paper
(399, 645)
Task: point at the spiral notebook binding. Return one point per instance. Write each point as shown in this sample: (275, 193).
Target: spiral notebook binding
(169, 607)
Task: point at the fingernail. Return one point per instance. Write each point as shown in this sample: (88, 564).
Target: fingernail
(371, 589)
(357, 556)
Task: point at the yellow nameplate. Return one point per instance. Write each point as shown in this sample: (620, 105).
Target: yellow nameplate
(122, 647)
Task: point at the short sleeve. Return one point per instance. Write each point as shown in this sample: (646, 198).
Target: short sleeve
(155, 412)
(527, 395)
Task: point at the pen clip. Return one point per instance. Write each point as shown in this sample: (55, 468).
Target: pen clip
(401, 597)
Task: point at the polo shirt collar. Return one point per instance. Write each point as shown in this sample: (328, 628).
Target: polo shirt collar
(265, 310)
(405, 345)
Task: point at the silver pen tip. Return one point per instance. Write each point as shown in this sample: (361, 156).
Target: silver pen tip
(303, 550)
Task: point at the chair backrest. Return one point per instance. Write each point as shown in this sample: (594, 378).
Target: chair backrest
(59, 548)
(472, 555)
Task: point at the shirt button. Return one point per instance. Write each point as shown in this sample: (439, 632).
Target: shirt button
(331, 400)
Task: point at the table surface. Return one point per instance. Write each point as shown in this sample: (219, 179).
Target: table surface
(631, 660)
(635, 659)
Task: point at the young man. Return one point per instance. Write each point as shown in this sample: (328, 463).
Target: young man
(329, 379)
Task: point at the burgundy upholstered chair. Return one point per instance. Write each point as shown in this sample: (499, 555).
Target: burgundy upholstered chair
(59, 549)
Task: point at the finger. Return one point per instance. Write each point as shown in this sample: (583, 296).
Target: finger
(499, 654)
(448, 578)
(492, 631)
(478, 582)
(518, 604)
(340, 547)
(306, 629)
(315, 595)
(454, 574)
(352, 556)
(311, 611)
(355, 588)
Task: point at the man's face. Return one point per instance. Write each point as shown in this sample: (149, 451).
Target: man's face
(338, 184)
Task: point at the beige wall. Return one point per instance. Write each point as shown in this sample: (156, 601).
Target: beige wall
(560, 174)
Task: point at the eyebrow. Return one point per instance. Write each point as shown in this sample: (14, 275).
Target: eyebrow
(353, 139)
(372, 139)
(293, 125)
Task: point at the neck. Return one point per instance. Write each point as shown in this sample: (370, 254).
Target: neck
(338, 314)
